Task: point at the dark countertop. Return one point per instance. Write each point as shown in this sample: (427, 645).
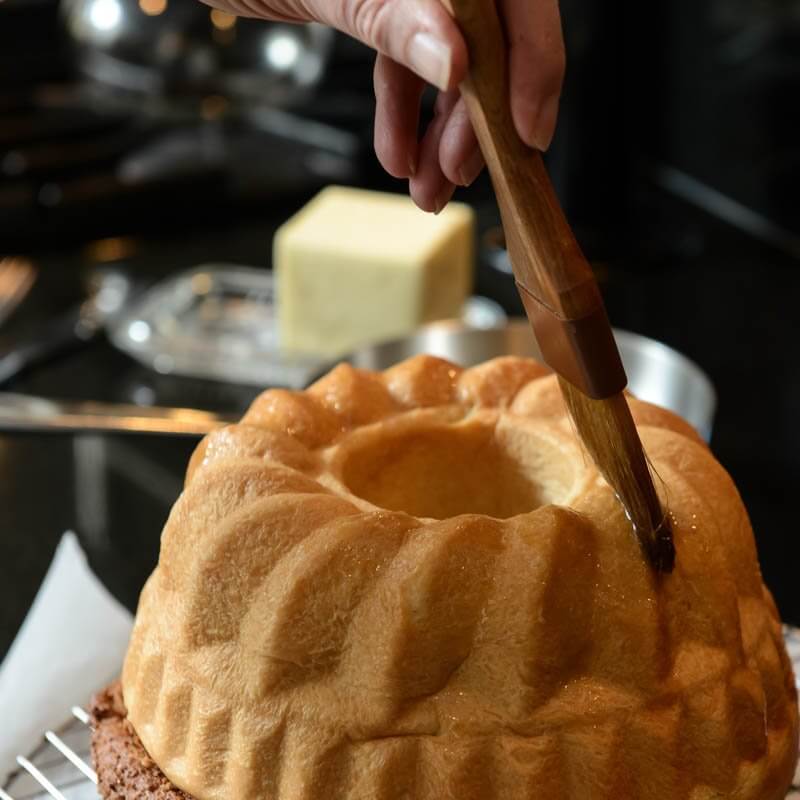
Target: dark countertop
(724, 301)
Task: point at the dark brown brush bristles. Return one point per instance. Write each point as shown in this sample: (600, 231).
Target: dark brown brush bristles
(609, 434)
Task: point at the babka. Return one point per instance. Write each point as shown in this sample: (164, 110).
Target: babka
(414, 585)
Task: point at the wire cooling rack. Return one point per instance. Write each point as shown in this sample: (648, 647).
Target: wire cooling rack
(60, 767)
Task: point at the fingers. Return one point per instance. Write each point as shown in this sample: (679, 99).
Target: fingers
(422, 37)
(459, 154)
(397, 94)
(419, 34)
(537, 63)
(449, 138)
(430, 188)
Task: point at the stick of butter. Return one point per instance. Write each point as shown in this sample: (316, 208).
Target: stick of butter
(356, 266)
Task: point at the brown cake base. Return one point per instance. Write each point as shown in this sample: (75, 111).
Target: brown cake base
(124, 770)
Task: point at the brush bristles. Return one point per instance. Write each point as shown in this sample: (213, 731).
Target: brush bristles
(609, 434)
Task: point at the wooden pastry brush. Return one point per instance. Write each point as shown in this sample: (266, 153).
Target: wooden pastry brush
(557, 286)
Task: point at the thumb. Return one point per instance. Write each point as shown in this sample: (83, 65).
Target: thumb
(418, 34)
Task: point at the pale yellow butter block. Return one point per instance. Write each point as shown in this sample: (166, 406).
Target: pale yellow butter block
(356, 266)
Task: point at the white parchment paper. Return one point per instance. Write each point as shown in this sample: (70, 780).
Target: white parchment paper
(71, 644)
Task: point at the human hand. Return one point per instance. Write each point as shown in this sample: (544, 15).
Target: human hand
(418, 42)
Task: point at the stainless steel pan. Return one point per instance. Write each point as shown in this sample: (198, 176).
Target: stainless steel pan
(656, 373)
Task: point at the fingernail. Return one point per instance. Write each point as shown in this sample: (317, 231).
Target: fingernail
(412, 164)
(443, 199)
(470, 169)
(430, 59)
(545, 126)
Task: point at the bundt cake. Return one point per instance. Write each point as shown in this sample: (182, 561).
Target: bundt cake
(414, 585)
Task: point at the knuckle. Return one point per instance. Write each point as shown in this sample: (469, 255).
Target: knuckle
(366, 19)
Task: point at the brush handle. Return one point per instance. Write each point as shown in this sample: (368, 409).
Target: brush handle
(556, 282)
(553, 262)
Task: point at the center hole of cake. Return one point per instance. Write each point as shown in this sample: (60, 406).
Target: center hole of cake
(441, 472)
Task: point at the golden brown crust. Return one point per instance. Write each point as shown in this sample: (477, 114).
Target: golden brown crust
(415, 584)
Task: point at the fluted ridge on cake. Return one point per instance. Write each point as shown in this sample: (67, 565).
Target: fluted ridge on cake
(323, 640)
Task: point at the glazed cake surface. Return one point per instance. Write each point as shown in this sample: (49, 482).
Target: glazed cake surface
(414, 585)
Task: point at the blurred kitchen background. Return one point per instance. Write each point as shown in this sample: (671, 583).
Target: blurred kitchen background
(142, 138)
